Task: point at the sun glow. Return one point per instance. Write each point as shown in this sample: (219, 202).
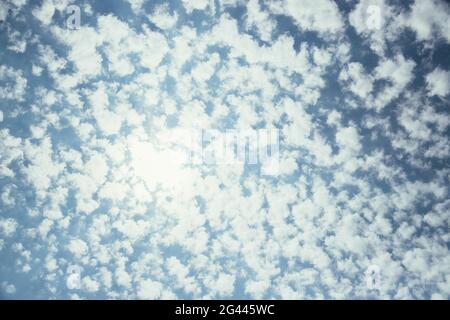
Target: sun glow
(157, 166)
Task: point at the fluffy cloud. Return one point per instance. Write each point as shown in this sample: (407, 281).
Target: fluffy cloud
(94, 173)
(8, 227)
(321, 16)
(78, 247)
(438, 82)
(14, 83)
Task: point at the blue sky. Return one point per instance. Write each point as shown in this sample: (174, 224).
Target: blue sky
(92, 205)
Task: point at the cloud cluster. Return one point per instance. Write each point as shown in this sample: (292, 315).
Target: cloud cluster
(87, 176)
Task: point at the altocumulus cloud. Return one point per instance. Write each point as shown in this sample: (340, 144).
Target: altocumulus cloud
(358, 90)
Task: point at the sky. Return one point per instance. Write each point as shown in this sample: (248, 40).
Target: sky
(95, 205)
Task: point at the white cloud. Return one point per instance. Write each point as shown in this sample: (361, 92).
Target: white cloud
(399, 71)
(259, 19)
(427, 18)
(438, 82)
(100, 164)
(136, 5)
(14, 83)
(322, 16)
(162, 18)
(45, 12)
(149, 290)
(78, 247)
(83, 43)
(360, 83)
(190, 6)
(3, 11)
(8, 227)
(8, 288)
(90, 284)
